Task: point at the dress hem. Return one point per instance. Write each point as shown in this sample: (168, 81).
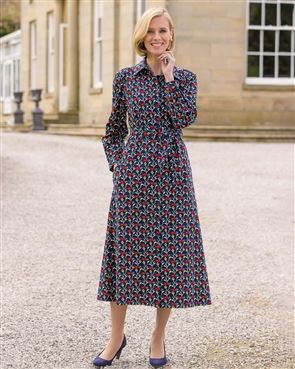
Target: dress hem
(156, 306)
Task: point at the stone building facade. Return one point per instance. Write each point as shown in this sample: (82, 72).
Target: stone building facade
(242, 52)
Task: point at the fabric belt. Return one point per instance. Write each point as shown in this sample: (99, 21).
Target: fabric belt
(173, 150)
(157, 132)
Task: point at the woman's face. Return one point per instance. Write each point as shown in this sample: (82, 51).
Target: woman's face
(158, 36)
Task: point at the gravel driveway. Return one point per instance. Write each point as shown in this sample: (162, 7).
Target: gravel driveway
(55, 199)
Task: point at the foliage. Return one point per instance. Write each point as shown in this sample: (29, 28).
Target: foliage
(10, 16)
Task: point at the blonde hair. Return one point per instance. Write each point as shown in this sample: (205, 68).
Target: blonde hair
(142, 26)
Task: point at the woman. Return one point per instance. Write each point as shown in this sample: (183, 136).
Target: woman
(153, 251)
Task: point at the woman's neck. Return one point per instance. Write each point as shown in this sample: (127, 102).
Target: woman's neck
(154, 63)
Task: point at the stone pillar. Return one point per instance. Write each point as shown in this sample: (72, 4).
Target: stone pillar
(72, 56)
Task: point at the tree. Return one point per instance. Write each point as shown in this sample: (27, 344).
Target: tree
(10, 19)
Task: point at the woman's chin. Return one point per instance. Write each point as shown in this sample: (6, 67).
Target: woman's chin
(157, 52)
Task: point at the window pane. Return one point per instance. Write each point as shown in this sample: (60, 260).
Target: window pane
(285, 41)
(64, 57)
(143, 5)
(286, 14)
(15, 76)
(18, 75)
(255, 13)
(100, 61)
(271, 14)
(269, 41)
(98, 27)
(97, 63)
(268, 66)
(284, 66)
(253, 66)
(7, 79)
(253, 40)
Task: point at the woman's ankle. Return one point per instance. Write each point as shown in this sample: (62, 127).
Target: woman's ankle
(158, 335)
(117, 336)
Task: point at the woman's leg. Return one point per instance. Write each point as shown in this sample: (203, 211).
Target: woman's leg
(158, 335)
(118, 314)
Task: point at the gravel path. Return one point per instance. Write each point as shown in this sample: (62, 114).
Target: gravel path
(55, 198)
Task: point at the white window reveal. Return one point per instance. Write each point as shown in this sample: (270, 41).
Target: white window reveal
(50, 51)
(33, 55)
(270, 42)
(97, 44)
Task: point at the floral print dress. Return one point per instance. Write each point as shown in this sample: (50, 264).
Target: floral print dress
(153, 253)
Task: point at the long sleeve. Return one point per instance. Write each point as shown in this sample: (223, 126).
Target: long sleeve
(116, 127)
(181, 97)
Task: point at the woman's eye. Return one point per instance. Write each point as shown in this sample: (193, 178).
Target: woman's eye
(163, 30)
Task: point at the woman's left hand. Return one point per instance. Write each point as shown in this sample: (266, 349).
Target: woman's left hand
(167, 69)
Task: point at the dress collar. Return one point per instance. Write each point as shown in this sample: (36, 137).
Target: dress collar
(143, 65)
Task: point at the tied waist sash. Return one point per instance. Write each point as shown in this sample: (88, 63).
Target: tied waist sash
(171, 148)
(157, 132)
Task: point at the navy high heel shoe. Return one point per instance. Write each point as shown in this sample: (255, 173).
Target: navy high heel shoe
(98, 361)
(157, 363)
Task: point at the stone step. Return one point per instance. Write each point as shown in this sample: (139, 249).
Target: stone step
(50, 119)
(67, 118)
(15, 128)
(196, 129)
(57, 126)
(196, 135)
(241, 137)
(199, 133)
(236, 133)
(240, 129)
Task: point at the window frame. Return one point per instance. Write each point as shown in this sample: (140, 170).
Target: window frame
(282, 81)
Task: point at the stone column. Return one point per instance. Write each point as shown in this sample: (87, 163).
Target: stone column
(72, 56)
